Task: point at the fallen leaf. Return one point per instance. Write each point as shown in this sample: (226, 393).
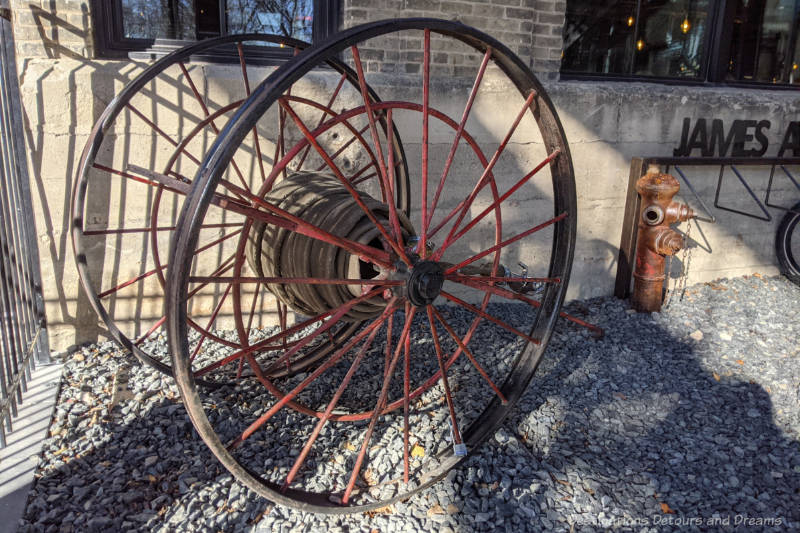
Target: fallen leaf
(716, 376)
(758, 275)
(369, 477)
(565, 483)
(349, 447)
(665, 509)
(452, 508)
(389, 509)
(739, 362)
(78, 357)
(417, 451)
(436, 509)
(620, 396)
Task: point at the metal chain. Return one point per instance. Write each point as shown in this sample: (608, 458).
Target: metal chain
(680, 282)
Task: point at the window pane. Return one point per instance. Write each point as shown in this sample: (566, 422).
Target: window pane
(764, 45)
(291, 18)
(200, 19)
(598, 36)
(671, 39)
(158, 19)
(646, 38)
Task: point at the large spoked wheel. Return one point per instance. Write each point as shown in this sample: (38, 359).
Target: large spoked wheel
(447, 336)
(137, 166)
(787, 245)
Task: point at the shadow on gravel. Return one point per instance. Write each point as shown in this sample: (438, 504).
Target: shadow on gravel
(141, 467)
(639, 431)
(644, 430)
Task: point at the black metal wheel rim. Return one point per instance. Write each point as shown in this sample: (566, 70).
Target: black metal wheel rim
(518, 372)
(91, 171)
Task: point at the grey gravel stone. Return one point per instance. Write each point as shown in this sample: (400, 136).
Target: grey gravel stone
(696, 408)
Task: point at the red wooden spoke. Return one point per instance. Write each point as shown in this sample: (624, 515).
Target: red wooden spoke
(373, 128)
(464, 117)
(342, 78)
(422, 248)
(334, 314)
(502, 198)
(406, 399)
(134, 178)
(496, 279)
(130, 282)
(504, 293)
(161, 132)
(257, 144)
(150, 331)
(505, 243)
(448, 396)
(335, 400)
(488, 317)
(226, 265)
(291, 222)
(283, 313)
(325, 126)
(280, 148)
(162, 267)
(334, 319)
(149, 229)
(388, 350)
(368, 177)
(347, 185)
(214, 127)
(245, 339)
(329, 363)
(211, 320)
(307, 281)
(447, 218)
(378, 407)
(484, 179)
(256, 294)
(387, 187)
(215, 242)
(390, 198)
(468, 353)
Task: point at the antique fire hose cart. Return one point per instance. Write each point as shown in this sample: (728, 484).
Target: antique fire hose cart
(335, 253)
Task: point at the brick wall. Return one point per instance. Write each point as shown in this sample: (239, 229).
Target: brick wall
(531, 28)
(52, 29)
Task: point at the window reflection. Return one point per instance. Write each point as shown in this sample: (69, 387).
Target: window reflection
(647, 38)
(764, 46)
(673, 36)
(291, 18)
(158, 19)
(200, 19)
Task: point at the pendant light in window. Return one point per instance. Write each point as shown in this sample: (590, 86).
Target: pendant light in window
(686, 25)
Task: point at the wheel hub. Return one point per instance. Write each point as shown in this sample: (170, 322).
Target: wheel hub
(424, 283)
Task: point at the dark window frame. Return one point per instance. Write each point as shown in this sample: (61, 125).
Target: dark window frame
(717, 42)
(110, 42)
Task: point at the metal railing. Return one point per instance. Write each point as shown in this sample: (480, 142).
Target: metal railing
(23, 333)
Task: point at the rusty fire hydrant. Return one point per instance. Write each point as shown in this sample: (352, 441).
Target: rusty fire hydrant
(655, 239)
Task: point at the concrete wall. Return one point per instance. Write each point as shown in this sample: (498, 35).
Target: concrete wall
(65, 88)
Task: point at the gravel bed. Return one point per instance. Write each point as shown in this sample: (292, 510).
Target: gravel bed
(688, 419)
